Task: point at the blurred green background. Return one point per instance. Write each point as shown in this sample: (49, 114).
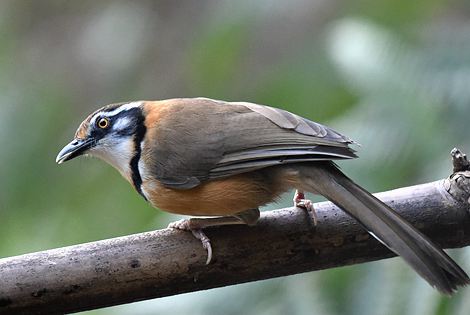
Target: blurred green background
(393, 75)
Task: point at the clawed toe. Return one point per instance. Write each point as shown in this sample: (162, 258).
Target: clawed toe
(196, 226)
(206, 243)
(182, 224)
(301, 202)
(185, 225)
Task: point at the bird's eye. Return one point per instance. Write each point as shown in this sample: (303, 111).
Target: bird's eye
(103, 123)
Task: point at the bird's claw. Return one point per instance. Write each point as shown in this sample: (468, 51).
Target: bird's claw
(301, 202)
(185, 225)
(206, 243)
(182, 224)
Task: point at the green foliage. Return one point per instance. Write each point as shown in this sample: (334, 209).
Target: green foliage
(215, 56)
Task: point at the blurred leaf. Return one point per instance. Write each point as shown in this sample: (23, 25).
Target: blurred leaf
(215, 57)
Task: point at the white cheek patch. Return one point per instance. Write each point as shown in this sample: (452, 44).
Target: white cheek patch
(117, 153)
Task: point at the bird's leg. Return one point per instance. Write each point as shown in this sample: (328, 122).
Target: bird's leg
(195, 225)
(301, 202)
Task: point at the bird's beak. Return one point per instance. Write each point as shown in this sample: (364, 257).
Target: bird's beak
(75, 148)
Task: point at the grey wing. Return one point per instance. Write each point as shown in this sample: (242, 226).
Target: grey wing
(255, 159)
(207, 139)
(292, 139)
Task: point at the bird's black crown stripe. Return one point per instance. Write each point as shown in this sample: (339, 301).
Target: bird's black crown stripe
(134, 164)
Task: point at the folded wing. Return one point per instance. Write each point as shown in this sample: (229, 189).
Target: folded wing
(225, 139)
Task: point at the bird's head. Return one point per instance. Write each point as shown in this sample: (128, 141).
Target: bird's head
(112, 133)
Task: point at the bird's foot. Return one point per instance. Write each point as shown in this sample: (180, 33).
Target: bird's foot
(196, 229)
(301, 202)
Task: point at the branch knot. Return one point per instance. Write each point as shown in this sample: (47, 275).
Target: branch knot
(458, 184)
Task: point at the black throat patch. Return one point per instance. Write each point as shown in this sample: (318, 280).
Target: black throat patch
(134, 163)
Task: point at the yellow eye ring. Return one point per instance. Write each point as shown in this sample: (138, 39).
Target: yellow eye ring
(103, 123)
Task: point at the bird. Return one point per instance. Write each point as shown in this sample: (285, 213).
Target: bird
(224, 160)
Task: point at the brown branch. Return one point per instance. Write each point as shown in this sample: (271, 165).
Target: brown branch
(167, 262)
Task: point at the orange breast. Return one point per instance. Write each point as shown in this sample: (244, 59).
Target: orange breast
(217, 197)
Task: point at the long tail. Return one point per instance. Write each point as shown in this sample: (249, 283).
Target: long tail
(431, 262)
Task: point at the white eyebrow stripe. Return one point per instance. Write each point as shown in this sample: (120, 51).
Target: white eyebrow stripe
(116, 111)
(123, 108)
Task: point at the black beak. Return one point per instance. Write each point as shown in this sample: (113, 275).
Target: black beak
(75, 148)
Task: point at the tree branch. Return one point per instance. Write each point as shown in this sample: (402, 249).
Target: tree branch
(168, 262)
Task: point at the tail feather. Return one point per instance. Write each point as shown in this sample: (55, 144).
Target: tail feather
(432, 263)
